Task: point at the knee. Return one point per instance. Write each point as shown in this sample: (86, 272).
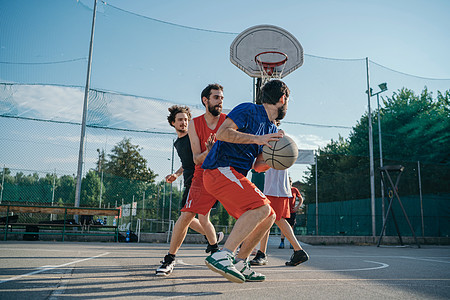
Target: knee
(203, 219)
(186, 216)
(267, 211)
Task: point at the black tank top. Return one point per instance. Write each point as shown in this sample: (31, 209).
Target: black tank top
(183, 146)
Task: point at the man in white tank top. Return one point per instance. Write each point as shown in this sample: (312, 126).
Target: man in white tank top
(277, 188)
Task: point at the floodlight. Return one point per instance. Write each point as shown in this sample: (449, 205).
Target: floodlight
(383, 86)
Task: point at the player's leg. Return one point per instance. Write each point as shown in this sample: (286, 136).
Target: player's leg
(246, 225)
(281, 246)
(299, 255)
(251, 210)
(286, 229)
(210, 233)
(196, 226)
(178, 236)
(260, 258)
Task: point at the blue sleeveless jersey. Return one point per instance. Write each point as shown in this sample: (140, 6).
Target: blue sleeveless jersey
(249, 118)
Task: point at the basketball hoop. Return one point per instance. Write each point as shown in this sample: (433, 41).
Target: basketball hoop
(269, 63)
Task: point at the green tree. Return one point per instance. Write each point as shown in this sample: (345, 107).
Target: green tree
(90, 189)
(414, 128)
(126, 173)
(65, 191)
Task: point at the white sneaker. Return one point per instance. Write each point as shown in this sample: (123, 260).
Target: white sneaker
(220, 236)
(222, 262)
(250, 275)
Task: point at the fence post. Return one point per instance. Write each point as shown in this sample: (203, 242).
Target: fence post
(3, 183)
(317, 202)
(420, 197)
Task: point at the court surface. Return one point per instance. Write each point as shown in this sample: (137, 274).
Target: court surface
(75, 270)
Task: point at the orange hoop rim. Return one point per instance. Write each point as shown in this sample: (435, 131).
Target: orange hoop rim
(270, 66)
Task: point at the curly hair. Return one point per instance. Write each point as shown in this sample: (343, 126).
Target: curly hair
(174, 110)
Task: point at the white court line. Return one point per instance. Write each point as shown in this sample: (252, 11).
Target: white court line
(427, 259)
(46, 268)
(284, 269)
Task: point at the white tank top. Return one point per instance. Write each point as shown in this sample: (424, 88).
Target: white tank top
(276, 183)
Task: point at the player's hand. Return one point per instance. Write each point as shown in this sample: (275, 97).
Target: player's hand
(210, 142)
(171, 178)
(259, 165)
(265, 139)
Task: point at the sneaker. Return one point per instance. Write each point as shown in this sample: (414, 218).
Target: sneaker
(259, 260)
(222, 262)
(297, 258)
(212, 248)
(249, 274)
(281, 245)
(167, 267)
(220, 237)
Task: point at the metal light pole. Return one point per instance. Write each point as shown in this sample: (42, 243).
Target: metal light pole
(83, 122)
(372, 175)
(100, 169)
(383, 88)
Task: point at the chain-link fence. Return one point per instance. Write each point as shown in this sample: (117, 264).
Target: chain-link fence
(132, 85)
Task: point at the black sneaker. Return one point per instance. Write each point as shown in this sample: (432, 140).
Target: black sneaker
(297, 258)
(167, 266)
(260, 259)
(212, 248)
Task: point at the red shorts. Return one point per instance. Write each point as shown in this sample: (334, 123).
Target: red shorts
(198, 201)
(236, 193)
(281, 207)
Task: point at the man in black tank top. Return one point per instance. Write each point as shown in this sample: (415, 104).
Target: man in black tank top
(183, 147)
(179, 118)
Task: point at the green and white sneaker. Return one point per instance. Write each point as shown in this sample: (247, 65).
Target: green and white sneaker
(249, 274)
(222, 262)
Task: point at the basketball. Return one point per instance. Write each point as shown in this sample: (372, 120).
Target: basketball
(282, 155)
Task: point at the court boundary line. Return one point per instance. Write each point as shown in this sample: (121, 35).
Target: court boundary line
(47, 268)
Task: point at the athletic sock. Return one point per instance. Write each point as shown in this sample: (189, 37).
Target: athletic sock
(228, 250)
(171, 256)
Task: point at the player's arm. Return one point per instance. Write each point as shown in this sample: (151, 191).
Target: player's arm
(197, 153)
(172, 177)
(300, 202)
(228, 132)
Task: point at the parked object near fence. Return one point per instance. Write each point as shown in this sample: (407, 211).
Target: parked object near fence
(62, 226)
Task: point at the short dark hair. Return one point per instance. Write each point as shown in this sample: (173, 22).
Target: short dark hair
(174, 110)
(273, 90)
(207, 90)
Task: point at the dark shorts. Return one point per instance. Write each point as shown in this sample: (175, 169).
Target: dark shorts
(291, 219)
(185, 195)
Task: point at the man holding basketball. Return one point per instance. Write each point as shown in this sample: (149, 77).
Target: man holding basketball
(201, 132)
(239, 143)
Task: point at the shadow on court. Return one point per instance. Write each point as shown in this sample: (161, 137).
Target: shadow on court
(53, 270)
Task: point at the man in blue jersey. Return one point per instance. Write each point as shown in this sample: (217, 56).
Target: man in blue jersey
(240, 139)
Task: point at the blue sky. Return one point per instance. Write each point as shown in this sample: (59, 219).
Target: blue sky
(170, 50)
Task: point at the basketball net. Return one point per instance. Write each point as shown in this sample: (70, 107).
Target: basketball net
(271, 65)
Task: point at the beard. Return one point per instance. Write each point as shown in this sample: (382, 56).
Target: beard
(215, 110)
(182, 130)
(281, 112)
